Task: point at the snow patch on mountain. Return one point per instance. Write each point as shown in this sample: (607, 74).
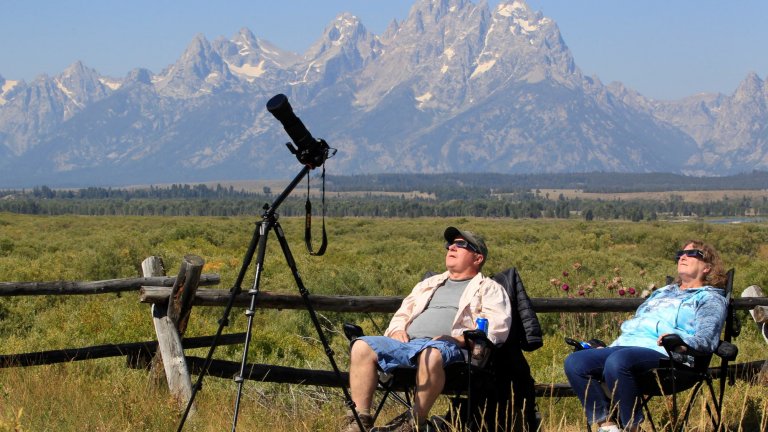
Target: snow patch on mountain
(6, 88)
(249, 71)
(110, 83)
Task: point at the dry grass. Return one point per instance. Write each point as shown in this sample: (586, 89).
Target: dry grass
(104, 396)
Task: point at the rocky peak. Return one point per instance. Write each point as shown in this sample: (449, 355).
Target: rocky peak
(252, 59)
(81, 80)
(199, 69)
(538, 51)
(429, 54)
(345, 34)
(139, 75)
(77, 86)
(750, 90)
(346, 46)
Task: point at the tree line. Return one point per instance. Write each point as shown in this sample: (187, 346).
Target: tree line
(519, 206)
(462, 195)
(463, 185)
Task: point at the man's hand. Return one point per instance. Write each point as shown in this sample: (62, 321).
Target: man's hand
(447, 338)
(401, 336)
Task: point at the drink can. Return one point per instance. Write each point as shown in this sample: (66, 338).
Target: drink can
(482, 325)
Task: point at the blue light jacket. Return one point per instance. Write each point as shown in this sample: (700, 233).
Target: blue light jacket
(696, 314)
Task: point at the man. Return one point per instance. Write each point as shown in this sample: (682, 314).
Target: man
(426, 332)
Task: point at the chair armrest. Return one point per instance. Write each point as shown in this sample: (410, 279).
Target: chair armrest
(353, 331)
(479, 347)
(476, 335)
(674, 344)
(727, 351)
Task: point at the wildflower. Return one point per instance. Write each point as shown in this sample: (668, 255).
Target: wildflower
(617, 280)
(631, 291)
(565, 273)
(581, 292)
(621, 291)
(565, 287)
(554, 282)
(576, 266)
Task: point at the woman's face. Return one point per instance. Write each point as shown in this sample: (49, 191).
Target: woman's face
(692, 268)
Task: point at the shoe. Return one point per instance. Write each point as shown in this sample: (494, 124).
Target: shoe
(349, 424)
(764, 331)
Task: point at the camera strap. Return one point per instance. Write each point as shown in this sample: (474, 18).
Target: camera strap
(308, 221)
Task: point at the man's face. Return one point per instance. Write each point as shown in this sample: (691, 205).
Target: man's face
(462, 261)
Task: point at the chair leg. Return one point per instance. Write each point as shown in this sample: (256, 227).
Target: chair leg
(716, 417)
(691, 399)
(647, 410)
(405, 401)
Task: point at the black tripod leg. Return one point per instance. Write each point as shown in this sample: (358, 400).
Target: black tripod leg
(305, 296)
(224, 320)
(264, 229)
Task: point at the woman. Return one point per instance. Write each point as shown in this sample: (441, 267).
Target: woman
(694, 307)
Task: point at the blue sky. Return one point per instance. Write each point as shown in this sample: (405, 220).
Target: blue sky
(664, 49)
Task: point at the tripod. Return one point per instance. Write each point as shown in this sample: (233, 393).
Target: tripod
(258, 245)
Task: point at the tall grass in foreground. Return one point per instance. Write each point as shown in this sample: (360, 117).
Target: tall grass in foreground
(365, 257)
(103, 396)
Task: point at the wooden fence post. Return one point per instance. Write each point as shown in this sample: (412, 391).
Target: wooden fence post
(153, 267)
(184, 290)
(169, 331)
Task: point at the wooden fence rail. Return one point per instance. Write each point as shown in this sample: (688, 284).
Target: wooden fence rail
(327, 378)
(131, 350)
(98, 287)
(386, 304)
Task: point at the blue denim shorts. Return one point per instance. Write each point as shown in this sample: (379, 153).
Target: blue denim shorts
(392, 353)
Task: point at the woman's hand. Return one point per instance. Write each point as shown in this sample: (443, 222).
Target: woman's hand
(658, 341)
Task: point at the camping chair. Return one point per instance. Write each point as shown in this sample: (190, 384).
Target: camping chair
(493, 397)
(673, 376)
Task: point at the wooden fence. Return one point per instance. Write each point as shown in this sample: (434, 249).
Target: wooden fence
(172, 298)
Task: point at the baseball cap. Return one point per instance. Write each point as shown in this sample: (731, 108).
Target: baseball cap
(451, 233)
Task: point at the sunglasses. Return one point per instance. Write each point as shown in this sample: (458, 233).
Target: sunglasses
(463, 244)
(690, 253)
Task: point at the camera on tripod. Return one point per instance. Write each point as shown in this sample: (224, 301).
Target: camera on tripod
(308, 150)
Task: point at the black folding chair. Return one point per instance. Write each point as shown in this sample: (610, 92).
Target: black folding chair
(500, 395)
(674, 376)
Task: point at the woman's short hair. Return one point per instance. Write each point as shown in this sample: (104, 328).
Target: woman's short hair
(716, 276)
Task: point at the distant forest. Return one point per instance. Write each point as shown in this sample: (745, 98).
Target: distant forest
(456, 195)
(476, 185)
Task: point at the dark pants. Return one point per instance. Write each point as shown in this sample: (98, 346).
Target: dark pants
(616, 367)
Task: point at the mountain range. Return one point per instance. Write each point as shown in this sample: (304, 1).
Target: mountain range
(454, 87)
